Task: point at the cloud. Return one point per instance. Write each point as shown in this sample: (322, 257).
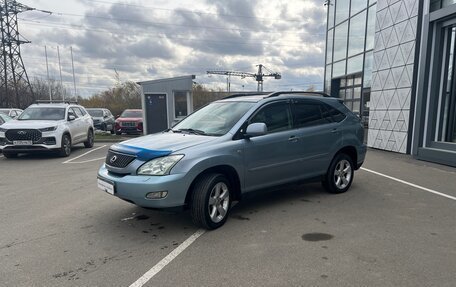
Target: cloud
(141, 41)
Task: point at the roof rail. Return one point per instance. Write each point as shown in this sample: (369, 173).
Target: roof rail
(55, 102)
(276, 94)
(245, 95)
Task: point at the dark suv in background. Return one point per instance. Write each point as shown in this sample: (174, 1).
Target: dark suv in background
(102, 119)
(234, 146)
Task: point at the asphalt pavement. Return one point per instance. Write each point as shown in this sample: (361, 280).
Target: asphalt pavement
(58, 229)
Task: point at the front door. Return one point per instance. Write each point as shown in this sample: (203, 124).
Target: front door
(156, 113)
(270, 159)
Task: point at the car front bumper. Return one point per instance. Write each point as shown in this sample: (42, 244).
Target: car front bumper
(134, 188)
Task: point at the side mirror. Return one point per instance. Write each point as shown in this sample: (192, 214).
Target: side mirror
(71, 118)
(256, 129)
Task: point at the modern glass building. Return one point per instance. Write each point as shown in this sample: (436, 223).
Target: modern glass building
(393, 62)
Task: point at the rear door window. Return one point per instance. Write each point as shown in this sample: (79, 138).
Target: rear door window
(308, 113)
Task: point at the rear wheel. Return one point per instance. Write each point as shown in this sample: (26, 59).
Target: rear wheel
(65, 149)
(9, 154)
(90, 138)
(211, 201)
(340, 174)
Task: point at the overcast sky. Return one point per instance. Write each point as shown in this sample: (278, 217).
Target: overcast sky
(144, 40)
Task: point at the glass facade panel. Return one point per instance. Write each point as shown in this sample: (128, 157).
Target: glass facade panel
(438, 4)
(340, 41)
(355, 64)
(357, 34)
(368, 69)
(370, 33)
(329, 46)
(339, 69)
(357, 5)
(446, 121)
(330, 14)
(328, 79)
(342, 10)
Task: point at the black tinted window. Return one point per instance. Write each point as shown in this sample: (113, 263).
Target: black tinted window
(332, 113)
(275, 116)
(308, 114)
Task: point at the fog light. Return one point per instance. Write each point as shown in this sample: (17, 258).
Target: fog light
(156, 195)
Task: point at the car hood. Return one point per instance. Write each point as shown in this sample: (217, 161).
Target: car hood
(129, 119)
(162, 144)
(15, 124)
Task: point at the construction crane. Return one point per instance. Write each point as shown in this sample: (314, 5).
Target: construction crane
(259, 76)
(12, 70)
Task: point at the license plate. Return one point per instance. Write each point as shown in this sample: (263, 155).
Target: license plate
(22, 142)
(105, 186)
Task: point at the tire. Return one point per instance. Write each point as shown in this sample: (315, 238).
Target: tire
(9, 154)
(211, 201)
(113, 132)
(89, 142)
(340, 174)
(118, 133)
(65, 149)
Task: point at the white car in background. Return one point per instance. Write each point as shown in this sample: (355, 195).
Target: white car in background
(12, 113)
(47, 127)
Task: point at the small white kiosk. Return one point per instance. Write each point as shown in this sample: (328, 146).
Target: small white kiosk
(166, 101)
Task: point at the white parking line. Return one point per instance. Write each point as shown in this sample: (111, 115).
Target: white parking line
(165, 261)
(90, 160)
(410, 184)
(79, 156)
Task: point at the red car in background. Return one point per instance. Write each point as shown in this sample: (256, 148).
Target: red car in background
(130, 122)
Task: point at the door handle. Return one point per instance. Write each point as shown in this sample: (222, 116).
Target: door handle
(293, 139)
(334, 131)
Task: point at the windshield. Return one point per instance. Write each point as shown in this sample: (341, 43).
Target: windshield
(131, 114)
(214, 119)
(4, 111)
(45, 114)
(96, 113)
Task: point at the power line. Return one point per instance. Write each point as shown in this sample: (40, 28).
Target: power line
(197, 12)
(113, 32)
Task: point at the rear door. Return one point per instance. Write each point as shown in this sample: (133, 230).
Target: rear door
(318, 135)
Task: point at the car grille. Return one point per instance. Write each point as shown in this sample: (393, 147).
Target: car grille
(23, 135)
(118, 160)
(128, 124)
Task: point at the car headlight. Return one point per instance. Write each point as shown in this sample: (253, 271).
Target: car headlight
(2, 130)
(50, 129)
(160, 166)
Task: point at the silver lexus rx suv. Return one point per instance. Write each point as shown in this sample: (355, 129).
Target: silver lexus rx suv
(234, 146)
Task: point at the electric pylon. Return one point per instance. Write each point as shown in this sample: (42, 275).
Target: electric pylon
(13, 75)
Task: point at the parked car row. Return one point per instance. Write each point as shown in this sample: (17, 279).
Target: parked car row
(57, 126)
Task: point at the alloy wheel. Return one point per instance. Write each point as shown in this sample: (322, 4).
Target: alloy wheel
(219, 201)
(342, 174)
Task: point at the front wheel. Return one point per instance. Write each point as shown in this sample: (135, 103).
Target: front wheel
(90, 138)
(65, 149)
(340, 174)
(211, 201)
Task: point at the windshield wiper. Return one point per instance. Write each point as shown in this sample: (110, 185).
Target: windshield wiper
(192, 131)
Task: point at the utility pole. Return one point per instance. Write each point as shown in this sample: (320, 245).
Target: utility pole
(12, 69)
(72, 65)
(60, 69)
(47, 70)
